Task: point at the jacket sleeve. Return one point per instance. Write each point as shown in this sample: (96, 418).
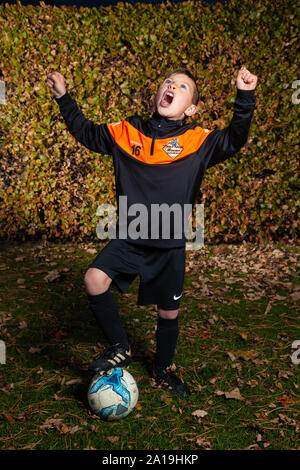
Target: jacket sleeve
(230, 140)
(95, 137)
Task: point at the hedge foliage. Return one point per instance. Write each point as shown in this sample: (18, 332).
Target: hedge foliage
(112, 59)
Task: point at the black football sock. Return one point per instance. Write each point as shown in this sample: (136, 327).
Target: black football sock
(106, 312)
(166, 339)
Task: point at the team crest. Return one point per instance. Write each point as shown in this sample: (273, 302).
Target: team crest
(173, 149)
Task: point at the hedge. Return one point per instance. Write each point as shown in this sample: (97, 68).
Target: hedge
(112, 59)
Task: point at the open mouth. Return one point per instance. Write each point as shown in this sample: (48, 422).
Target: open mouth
(167, 98)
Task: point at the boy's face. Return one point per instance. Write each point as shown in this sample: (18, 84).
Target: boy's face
(174, 97)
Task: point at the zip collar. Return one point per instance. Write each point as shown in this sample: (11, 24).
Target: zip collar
(159, 126)
(166, 125)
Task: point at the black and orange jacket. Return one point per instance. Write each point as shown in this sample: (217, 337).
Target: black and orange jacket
(160, 161)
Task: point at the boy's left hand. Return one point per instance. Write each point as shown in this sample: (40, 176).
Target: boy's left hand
(246, 80)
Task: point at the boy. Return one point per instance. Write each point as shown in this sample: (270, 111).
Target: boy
(157, 161)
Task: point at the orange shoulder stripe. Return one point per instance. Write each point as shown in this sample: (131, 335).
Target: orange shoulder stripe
(166, 150)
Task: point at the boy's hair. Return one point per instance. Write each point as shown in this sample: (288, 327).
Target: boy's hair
(186, 72)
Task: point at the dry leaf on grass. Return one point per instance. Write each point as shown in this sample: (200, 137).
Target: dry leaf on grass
(203, 443)
(8, 417)
(244, 335)
(31, 446)
(219, 393)
(296, 296)
(52, 276)
(34, 350)
(52, 423)
(199, 413)
(69, 430)
(253, 447)
(113, 439)
(234, 394)
(74, 381)
(268, 308)
(93, 251)
(22, 325)
(63, 429)
(231, 355)
(285, 400)
(59, 425)
(246, 355)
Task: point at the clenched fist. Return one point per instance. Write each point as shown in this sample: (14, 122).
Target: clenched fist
(56, 83)
(246, 80)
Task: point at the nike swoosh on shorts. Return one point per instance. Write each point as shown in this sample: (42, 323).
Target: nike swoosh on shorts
(176, 298)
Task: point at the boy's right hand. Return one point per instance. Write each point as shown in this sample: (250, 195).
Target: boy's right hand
(56, 83)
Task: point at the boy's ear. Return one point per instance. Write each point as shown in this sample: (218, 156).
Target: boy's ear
(191, 110)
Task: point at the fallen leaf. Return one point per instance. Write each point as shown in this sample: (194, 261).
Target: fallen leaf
(279, 297)
(234, 394)
(58, 333)
(286, 420)
(52, 423)
(246, 355)
(277, 253)
(213, 381)
(244, 335)
(252, 383)
(253, 447)
(199, 413)
(64, 429)
(203, 443)
(39, 271)
(269, 306)
(93, 251)
(231, 355)
(74, 381)
(285, 374)
(73, 429)
(8, 417)
(113, 439)
(285, 400)
(5, 316)
(295, 296)
(31, 446)
(52, 276)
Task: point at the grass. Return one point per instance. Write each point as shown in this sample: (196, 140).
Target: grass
(238, 320)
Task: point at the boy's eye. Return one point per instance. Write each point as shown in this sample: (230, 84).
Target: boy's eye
(183, 86)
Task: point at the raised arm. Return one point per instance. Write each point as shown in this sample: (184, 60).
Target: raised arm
(230, 140)
(95, 137)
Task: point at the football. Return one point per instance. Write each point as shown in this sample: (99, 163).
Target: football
(112, 394)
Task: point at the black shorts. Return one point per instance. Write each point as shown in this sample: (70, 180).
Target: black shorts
(161, 271)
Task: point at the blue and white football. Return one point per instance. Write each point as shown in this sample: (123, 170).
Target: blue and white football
(112, 394)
